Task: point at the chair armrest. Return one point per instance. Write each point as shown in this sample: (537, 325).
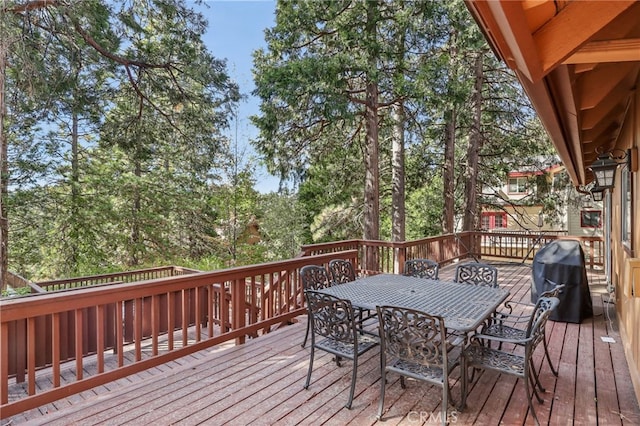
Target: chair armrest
(479, 337)
(510, 318)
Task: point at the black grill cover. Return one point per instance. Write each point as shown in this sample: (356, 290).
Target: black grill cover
(562, 262)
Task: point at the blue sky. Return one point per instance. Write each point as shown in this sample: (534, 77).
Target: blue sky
(236, 29)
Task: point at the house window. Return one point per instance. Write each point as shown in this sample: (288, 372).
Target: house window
(517, 185)
(492, 220)
(625, 207)
(590, 218)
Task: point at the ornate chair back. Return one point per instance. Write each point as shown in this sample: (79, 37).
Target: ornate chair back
(421, 268)
(314, 277)
(331, 317)
(477, 274)
(341, 271)
(538, 320)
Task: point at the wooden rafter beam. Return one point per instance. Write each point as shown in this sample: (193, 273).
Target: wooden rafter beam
(611, 105)
(607, 51)
(580, 68)
(596, 85)
(572, 27)
(518, 47)
(606, 131)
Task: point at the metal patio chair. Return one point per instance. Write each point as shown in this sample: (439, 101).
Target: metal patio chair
(341, 271)
(313, 277)
(478, 355)
(509, 326)
(416, 346)
(421, 268)
(477, 274)
(333, 320)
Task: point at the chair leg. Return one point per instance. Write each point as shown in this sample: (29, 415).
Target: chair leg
(306, 385)
(354, 374)
(533, 382)
(463, 391)
(536, 376)
(546, 354)
(383, 385)
(530, 399)
(445, 403)
(306, 335)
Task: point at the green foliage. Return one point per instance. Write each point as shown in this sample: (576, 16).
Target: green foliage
(12, 292)
(118, 157)
(115, 146)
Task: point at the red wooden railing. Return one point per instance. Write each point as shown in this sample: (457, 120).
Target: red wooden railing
(389, 257)
(116, 277)
(183, 314)
(229, 304)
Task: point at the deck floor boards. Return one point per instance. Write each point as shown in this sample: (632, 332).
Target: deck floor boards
(261, 383)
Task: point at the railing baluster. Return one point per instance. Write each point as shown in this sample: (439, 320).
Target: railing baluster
(120, 333)
(78, 343)
(100, 336)
(4, 363)
(210, 309)
(55, 349)
(155, 323)
(198, 314)
(171, 318)
(137, 328)
(185, 317)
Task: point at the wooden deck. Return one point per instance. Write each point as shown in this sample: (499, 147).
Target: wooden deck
(261, 381)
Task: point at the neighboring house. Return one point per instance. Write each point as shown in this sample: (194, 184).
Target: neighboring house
(579, 215)
(584, 219)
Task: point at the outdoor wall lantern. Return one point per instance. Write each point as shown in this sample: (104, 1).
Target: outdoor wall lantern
(597, 193)
(604, 168)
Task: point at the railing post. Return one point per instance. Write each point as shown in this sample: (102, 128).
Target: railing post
(238, 302)
(400, 258)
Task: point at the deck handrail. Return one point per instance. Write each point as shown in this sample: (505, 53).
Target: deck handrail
(390, 256)
(116, 277)
(193, 312)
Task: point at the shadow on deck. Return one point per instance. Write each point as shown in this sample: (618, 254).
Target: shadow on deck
(261, 382)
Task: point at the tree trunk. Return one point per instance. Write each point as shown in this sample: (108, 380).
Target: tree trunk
(372, 166)
(135, 239)
(372, 172)
(397, 175)
(470, 221)
(75, 195)
(4, 168)
(448, 172)
(450, 117)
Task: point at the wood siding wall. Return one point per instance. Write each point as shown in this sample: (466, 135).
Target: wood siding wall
(626, 260)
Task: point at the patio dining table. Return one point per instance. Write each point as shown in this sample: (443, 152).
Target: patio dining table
(463, 306)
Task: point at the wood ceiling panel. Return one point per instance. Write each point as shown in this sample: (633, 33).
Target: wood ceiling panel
(572, 27)
(626, 25)
(608, 108)
(538, 13)
(594, 86)
(624, 50)
(615, 100)
(604, 132)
